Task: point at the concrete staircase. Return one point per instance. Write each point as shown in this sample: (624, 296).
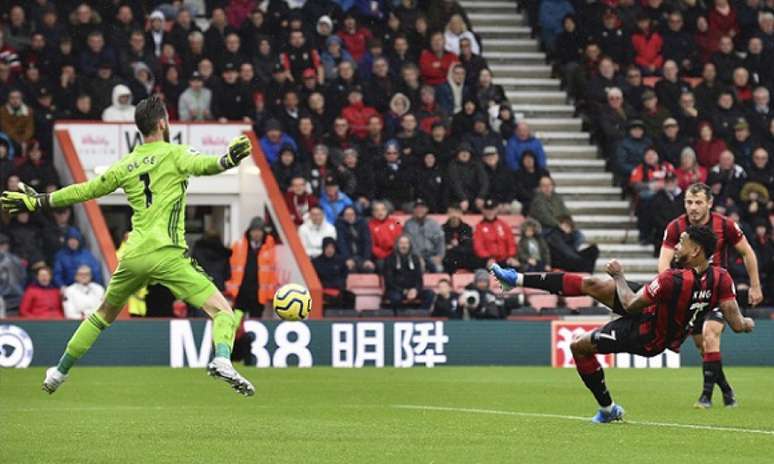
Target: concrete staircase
(520, 67)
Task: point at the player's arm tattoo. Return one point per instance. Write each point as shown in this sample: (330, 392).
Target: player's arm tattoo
(734, 317)
(631, 302)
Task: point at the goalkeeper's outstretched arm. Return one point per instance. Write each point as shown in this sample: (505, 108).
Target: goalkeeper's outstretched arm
(28, 200)
(100, 186)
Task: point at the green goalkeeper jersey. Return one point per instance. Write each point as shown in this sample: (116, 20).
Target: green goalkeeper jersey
(155, 178)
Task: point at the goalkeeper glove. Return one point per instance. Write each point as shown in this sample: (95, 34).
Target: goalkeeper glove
(25, 200)
(239, 149)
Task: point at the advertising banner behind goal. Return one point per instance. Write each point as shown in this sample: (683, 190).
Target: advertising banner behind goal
(340, 343)
(102, 144)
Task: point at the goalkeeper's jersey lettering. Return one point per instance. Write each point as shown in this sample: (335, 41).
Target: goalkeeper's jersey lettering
(155, 179)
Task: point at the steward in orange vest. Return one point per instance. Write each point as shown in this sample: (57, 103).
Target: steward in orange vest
(253, 270)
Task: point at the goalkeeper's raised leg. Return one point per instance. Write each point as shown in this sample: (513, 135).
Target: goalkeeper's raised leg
(155, 178)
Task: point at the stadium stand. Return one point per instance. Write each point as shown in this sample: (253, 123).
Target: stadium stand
(352, 97)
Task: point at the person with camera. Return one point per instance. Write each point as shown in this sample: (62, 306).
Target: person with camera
(478, 301)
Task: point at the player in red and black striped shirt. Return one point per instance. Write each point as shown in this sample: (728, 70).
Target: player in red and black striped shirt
(709, 325)
(658, 317)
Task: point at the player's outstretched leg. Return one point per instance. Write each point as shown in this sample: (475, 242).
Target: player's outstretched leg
(223, 331)
(600, 288)
(593, 376)
(81, 341)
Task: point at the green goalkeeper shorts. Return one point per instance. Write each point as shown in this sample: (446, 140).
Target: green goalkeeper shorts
(169, 267)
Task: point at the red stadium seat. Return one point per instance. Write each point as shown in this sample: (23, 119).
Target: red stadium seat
(514, 221)
(367, 302)
(577, 302)
(439, 218)
(534, 291)
(365, 284)
(460, 280)
(431, 280)
(543, 301)
(472, 219)
(363, 280)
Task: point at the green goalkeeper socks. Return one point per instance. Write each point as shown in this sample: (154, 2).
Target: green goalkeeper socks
(223, 331)
(81, 341)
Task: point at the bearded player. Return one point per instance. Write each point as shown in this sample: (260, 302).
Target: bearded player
(710, 323)
(155, 178)
(658, 317)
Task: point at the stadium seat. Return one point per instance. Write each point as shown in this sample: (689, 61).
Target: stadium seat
(539, 301)
(578, 302)
(513, 220)
(367, 302)
(472, 219)
(365, 284)
(439, 218)
(533, 291)
(460, 280)
(431, 280)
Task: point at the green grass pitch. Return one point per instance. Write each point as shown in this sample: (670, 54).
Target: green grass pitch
(324, 415)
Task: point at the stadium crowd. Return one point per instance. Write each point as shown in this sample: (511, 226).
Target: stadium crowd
(675, 93)
(372, 111)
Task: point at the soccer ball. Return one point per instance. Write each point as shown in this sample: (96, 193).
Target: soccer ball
(292, 302)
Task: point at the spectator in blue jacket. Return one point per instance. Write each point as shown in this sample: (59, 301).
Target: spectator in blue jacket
(550, 17)
(71, 257)
(521, 141)
(353, 238)
(333, 201)
(274, 139)
(333, 54)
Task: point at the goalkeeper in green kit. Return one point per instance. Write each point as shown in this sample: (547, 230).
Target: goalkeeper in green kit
(155, 178)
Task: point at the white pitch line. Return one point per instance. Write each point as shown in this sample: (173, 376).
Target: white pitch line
(579, 418)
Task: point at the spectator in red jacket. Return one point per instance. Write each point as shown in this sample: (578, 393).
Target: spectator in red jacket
(493, 239)
(722, 20)
(647, 45)
(434, 63)
(355, 37)
(708, 147)
(385, 230)
(238, 10)
(357, 113)
(299, 201)
(41, 299)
